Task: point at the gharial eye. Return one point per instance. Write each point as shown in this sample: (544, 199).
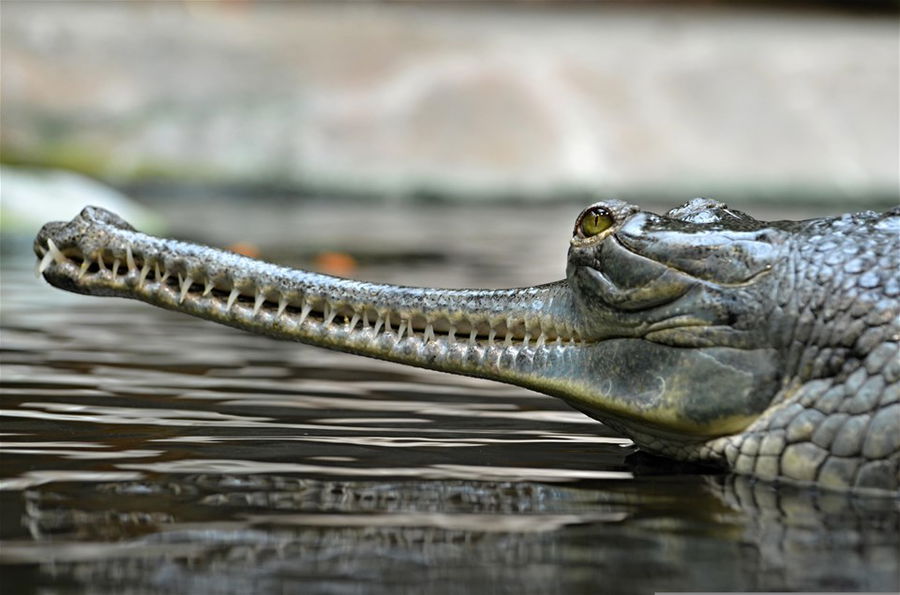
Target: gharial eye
(594, 221)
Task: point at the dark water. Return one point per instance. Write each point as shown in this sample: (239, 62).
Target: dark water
(146, 452)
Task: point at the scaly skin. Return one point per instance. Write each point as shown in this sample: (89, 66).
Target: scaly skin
(767, 347)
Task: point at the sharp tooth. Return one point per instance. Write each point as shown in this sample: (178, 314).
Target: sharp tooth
(100, 262)
(547, 327)
(231, 298)
(526, 339)
(330, 313)
(282, 304)
(45, 262)
(353, 321)
(185, 286)
(115, 268)
(451, 334)
(156, 272)
(378, 324)
(58, 256)
(166, 274)
(145, 270)
(85, 265)
(429, 332)
(258, 302)
(472, 336)
(307, 308)
(387, 322)
(208, 287)
(559, 341)
(491, 334)
(508, 340)
(541, 340)
(365, 318)
(129, 258)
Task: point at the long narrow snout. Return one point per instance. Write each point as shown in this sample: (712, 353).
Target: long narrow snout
(513, 335)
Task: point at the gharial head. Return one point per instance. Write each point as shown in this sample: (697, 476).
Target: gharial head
(656, 331)
(630, 269)
(674, 311)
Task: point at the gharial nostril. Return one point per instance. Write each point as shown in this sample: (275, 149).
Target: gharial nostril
(100, 215)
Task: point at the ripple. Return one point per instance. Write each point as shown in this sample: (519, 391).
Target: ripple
(478, 523)
(440, 471)
(407, 442)
(35, 478)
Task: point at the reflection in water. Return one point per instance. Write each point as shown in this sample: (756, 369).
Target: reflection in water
(147, 452)
(238, 534)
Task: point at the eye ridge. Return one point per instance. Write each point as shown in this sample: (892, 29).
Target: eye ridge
(594, 221)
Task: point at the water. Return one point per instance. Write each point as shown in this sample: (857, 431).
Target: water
(147, 452)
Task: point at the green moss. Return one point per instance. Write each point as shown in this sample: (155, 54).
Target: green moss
(55, 157)
(96, 164)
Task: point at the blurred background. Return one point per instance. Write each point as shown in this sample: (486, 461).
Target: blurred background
(773, 106)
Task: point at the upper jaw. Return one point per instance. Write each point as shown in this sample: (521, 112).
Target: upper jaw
(98, 253)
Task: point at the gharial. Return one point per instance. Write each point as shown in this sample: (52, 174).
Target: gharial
(703, 334)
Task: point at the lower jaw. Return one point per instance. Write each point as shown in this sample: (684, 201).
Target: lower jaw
(527, 357)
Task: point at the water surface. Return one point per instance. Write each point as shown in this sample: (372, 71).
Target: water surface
(147, 452)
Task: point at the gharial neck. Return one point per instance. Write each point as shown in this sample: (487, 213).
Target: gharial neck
(834, 293)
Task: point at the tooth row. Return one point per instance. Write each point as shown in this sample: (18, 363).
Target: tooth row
(538, 332)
